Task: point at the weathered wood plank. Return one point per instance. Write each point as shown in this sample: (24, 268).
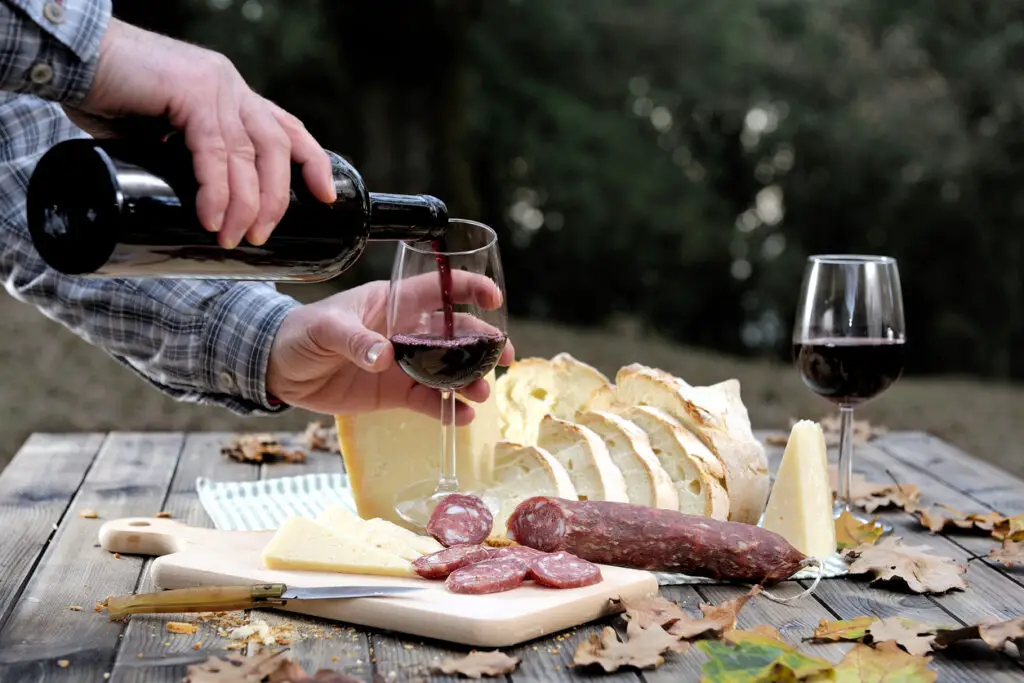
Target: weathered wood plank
(130, 477)
(164, 653)
(36, 489)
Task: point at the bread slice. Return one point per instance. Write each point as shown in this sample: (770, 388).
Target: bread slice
(699, 491)
(585, 457)
(647, 482)
(534, 387)
(717, 416)
(521, 472)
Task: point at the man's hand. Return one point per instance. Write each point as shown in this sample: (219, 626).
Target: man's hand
(331, 357)
(242, 144)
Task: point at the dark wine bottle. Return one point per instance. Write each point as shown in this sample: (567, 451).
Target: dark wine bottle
(126, 208)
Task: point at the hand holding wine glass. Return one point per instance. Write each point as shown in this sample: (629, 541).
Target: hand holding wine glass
(848, 341)
(443, 341)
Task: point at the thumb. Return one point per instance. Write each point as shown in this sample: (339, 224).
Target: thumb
(347, 336)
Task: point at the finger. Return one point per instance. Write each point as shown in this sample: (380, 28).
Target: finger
(210, 165)
(427, 401)
(307, 152)
(477, 392)
(508, 354)
(463, 324)
(423, 292)
(243, 181)
(346, 336)
(273, 166)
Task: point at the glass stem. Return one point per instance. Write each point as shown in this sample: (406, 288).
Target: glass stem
(448, 482)
(845, 468)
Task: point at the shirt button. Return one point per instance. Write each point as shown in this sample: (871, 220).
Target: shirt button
(41, 74)
(53, 12)
(228, 380)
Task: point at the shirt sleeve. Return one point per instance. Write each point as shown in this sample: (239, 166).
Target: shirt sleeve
(49, 48)
(200, 341)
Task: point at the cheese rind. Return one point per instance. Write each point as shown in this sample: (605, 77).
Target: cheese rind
(305, 544)
(800, 505)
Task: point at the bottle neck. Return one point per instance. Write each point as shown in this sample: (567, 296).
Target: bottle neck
(406, 217)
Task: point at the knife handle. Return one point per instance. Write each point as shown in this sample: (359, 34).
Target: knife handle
(200, 599)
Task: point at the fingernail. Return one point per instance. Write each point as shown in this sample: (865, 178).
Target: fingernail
(217, 222)
(374, 353)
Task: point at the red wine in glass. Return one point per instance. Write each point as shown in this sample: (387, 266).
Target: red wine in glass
(445, 362)
(849, 370)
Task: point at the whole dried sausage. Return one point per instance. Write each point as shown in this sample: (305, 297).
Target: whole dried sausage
(440, 564)
(654, 539)
(489, 576)
(563, 570)
(460, 519)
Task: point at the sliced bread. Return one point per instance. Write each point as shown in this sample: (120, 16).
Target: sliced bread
(717, 416)
(647, 482)
(521, 472)
(699, 491)
(585, 457)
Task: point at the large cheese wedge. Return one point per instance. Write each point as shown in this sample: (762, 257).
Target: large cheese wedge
(521, 472)
(699, 491)
(647, 482)
(377, 532)
(585, 457)
(305, 544)
(800, 506)
(717, 416)
(387, 450)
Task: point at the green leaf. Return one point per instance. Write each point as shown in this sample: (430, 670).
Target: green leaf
(761, 660)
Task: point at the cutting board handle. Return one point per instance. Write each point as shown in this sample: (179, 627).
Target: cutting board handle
(149, 536)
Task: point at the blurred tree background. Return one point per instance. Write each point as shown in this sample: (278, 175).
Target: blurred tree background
(692, 153)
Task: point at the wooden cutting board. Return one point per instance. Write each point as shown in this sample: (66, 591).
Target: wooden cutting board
(195, 556)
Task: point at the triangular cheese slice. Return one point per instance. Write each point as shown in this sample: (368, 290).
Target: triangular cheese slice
(305, 544)
(800, 505)
(377, 532)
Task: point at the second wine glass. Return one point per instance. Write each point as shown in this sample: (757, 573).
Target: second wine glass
(848, 342)
(447, 324)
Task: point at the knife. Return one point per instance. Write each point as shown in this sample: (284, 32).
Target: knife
(225, 598)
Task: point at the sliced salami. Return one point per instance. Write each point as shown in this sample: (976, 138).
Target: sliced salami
(489, 576)
(563, 570)
(442, 563)
(520, 552)
(460, 519)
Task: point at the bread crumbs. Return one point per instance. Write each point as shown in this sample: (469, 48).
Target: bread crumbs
(163, 514)
(63, 663)
(88, 513)
(117, 556)
(198, 645)
(75, 608)
(182, 627)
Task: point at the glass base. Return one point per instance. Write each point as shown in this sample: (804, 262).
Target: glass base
(839, 508)
(417, 502)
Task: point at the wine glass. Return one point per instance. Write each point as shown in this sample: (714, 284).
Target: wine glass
(447, 324)
(848, 342)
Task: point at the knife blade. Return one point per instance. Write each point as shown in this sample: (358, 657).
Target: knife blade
(226, 598)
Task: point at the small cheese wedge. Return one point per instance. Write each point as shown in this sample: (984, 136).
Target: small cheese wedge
(800, 505)
(305, 544)
(585, 457)
(377, 532)
(521, 472)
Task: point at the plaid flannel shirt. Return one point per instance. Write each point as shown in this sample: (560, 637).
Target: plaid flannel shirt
(200, 341)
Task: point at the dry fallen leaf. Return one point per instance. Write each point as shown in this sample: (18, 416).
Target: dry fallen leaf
(1010, 529)
(871, 495)
(849, 629)
(914, 637)
(936, 522)
(759, 633)
(670, 616)
(993, 633)
(260, 448)
(317, 437)
(863, 431)
(235, 669)
(1008, 554)
(653, 609)
(850, 533)
(863, 664)
(760, 659)
(478, 663)
(891, 560)
(643, 648)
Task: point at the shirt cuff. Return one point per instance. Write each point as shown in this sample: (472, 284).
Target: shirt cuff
(50, 48)
(238, 332)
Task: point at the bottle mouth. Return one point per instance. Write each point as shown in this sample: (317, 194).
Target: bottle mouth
(469, 227)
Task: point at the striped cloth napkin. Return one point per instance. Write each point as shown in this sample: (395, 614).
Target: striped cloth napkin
(265, 504)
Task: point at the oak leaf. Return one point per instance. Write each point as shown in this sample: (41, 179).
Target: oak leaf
(671, 617)
(317, 437)
(758, 634)
(914, 637)
(850, 533)
(653, 609)
(479, 663)
(891, 560)
(1010, 529)
(871, 495)
(993, 633)
(935, 522)
(266, 667)
(849, 629)
(260, 448)
(759, 660)
(644, 648)
(1008, 554)
(883, 664)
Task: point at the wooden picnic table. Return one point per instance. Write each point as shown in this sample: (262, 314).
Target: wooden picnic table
(50, 561)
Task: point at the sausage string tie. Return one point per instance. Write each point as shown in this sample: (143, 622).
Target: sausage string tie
(808, 562)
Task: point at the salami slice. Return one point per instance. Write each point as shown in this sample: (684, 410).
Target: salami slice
(442, 563)
(489, 576)
(520, 552)
(460, 519)
(654, 539)
(563, 570)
